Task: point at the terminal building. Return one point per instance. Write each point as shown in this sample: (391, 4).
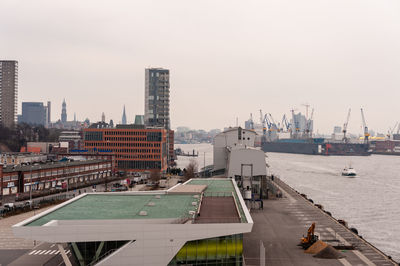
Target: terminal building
(200, 222)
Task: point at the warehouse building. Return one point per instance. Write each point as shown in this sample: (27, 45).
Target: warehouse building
(39, 177)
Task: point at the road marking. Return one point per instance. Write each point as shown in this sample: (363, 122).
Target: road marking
(42, 252)
(37, 252)
(53, 251)
(344, 262)
(57, 252)
(363, 258)
(32, 252)
(47, 252)
(338, 236)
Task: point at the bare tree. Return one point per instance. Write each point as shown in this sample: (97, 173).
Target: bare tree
(155, 176)
(190, 170)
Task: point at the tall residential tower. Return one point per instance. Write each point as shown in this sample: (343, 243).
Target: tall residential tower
(8, 92)
(156, 105)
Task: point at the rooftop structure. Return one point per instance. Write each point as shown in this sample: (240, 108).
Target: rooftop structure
(231, 137)
(151, 228)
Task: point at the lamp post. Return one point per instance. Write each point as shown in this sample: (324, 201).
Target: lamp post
(30, 189)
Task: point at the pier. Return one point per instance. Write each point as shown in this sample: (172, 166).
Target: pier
(279, 226)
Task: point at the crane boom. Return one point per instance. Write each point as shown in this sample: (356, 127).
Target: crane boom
(308, 124)
(345, 139)
(366, 133)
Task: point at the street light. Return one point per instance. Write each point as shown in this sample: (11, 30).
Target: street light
(30, 190)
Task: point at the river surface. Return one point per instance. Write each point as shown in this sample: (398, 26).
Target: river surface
(369, 202)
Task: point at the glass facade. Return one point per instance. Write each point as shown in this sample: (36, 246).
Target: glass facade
(226, 250)
(88, 253)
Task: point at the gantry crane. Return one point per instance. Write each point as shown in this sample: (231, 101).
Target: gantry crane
(345, 139)
(366, 133)
(308, 124)
(391, 130)
(285, 123)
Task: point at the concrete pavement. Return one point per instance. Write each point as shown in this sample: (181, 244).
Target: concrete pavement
(281, 224)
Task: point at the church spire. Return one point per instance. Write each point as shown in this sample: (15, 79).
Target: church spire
(124, 117)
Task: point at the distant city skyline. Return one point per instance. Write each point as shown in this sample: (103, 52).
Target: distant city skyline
(224, 63)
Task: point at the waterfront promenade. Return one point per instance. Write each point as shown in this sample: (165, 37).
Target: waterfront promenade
(281, 224)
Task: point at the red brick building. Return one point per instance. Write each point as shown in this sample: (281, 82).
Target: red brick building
(136, 149)
(41, 177)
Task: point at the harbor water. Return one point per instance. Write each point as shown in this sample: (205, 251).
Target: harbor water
(369, 202)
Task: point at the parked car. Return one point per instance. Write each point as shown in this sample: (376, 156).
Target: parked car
(9, 206)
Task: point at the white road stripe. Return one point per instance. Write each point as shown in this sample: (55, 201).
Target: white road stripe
(344, 262)
(67, 252)
(52, 245)
(32, 252)
(37, 252)
(47, 252)
(42, 252)
(363, 258)
(57, 252)
(53, 251)
(338, 236)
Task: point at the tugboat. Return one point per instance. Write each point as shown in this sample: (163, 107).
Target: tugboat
(349, 171)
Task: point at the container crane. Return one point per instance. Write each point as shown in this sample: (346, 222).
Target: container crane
(308, 125)
(285, 123)
(366, 133)
(262, 120)
(273, 124)
(391, 130)
(345, 139)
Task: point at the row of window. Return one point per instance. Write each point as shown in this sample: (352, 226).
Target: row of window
(125, 133)
(137, 151)
(57, 171)
(124, 139)
(138, 156)
(142, 165)
(123, 144)
(27, 177)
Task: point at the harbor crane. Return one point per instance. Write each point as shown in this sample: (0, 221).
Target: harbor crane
(366, 133)
(285, 123)
(308, 124)
(272, 122)
(262, 120)
(345, 139)
(391, 130)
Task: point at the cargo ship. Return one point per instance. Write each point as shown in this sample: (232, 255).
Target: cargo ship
(315, 146)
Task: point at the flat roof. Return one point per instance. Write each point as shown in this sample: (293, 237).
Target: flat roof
(49, 165)
(120, 206)
(221, 187)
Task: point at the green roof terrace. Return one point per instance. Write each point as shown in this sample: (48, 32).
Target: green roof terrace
(122, 206)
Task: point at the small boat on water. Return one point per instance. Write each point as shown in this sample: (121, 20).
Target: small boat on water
(349, 171)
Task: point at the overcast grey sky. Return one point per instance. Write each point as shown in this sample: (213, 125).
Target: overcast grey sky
(227, 58)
